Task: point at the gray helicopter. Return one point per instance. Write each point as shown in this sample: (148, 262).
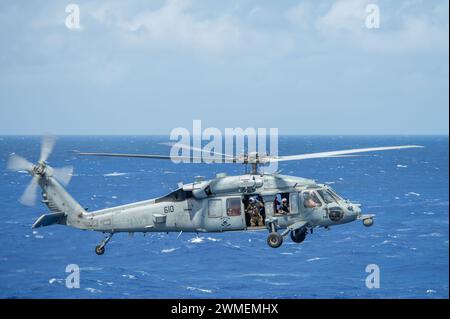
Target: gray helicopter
(255, 201)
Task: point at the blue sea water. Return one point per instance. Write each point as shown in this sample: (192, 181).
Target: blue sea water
(406, 189)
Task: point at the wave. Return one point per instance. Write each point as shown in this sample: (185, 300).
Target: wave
(168, 250)
(199, 289)
(113, 174)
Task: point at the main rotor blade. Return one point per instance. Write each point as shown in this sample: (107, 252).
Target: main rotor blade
(48, 142)
(28, 197)
(150, 156)
(342, 153)
(63, 174)
(18, 163)
(188, 147)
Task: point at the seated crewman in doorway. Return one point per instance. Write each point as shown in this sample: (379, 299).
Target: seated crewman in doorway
(284, 208)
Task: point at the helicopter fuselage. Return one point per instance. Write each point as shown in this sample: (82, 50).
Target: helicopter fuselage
(220, 205)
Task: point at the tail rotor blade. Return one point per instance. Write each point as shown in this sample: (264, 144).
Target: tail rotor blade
(63, 174)
(48, 142)
(18, 163)
(29, 196)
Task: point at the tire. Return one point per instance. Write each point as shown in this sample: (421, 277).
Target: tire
(368, 222)
(298, 235)
(274, 240)
(99, 250)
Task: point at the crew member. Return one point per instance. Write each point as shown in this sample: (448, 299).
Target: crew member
(253, 210)
(284, 208)
(309, 201)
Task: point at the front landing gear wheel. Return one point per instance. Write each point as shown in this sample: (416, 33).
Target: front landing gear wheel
(274, 240)
(99, 250)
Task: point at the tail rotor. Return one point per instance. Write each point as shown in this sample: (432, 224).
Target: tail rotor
(39, 170)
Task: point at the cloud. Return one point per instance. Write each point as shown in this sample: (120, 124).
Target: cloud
(344, 16)
(172, 25)
(412, 28)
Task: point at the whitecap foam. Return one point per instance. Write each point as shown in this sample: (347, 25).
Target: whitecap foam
(114, 174)
(412, 193)
(431, 235)
(93, 290)
(129, 276)
(91, 268)
(313, 259)
(199, 289)
(402, 166)
(56, 281)
(168, 250)
(197, 240)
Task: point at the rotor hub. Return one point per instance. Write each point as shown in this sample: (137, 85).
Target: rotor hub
(39, 169)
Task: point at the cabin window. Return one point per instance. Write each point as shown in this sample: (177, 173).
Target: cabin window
(281, 205)
(215, 208)
(234, 206)
(294, 203)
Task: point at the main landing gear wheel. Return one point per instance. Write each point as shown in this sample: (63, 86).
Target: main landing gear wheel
(274, 240)
(99, 250)
(299, 235)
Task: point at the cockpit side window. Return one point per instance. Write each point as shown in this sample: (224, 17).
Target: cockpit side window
(311, 200)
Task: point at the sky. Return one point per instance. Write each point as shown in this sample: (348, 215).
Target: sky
(147, 67)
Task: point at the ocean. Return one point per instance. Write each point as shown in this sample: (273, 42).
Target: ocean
(409, 241)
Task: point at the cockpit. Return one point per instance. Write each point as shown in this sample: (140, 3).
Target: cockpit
(318, 196)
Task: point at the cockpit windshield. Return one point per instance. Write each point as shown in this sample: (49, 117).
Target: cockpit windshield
(326, 196)
(334, 194)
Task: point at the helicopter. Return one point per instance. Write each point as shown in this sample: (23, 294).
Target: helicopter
(285, 204)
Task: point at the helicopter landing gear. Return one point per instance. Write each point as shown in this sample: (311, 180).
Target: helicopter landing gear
(274, 240)
(299, 235)
(100, 249)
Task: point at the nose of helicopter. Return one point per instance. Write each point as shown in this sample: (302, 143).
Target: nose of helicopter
(353, 211)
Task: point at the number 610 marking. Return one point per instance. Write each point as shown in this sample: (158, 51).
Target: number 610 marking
(169, 209)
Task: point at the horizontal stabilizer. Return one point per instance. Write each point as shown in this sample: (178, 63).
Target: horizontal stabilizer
(49, 219)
